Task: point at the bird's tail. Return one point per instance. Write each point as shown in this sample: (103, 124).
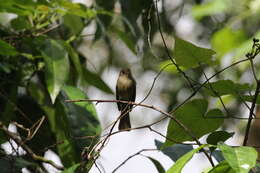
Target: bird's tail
(124, 122)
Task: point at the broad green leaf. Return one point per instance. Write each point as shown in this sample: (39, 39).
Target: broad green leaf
(62, 131)
(219, 136)
(232, 40)
(82, 117)
(210, 8)
(241, 159)
(74, 23)
(95, 80)
(225, 87)
(188, 55)
(180, 163)
(157, 164)
(20, 23)
(71, 169)
(193, 115)
(175, 151)
(75, 93)
(57, 66)
(222, 167)
(6, 49)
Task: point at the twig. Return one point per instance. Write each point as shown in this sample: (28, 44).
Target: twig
(187, 130)
(19, 142)
(250, 118)
(131, 156)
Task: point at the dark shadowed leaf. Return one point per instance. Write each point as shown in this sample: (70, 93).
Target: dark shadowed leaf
(175, 151)
(82, 117)
(218, 136)
(157, 164)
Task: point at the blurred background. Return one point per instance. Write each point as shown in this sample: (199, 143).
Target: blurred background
(116, 34)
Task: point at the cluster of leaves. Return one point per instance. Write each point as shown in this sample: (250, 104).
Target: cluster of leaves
(40, 68)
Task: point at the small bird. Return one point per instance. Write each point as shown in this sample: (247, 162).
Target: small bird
(125, 90)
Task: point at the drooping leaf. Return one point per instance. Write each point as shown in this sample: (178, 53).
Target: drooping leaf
(222, 167)
(180, 163)
(126, 39)
(6, 49)
(75, 60)
(157, 164)
(241, 159)
(95, 80)
(188, 55)
(57, 66)
(193, 116)
(175, 151)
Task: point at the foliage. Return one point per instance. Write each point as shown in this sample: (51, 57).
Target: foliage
(41, 68)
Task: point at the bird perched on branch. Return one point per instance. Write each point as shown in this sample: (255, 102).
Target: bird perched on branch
(125, 90)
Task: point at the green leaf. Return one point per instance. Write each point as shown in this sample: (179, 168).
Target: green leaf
(75, 93)
(241, 159)
(188, 55)
(250, 98)
(75, 59)
(171, 68)
(193, 116)
(82, 117)
(225, 87)
(57, 66)
(77, 9)
(95, 80)
(72, 169)
(219, 136)
(20, 23)
(210, 8)
(157, 164)
(74, 23)
(62, 131)
(126, 39)
(232, 39)
(6, 49)
(222, 167)
(179, 164)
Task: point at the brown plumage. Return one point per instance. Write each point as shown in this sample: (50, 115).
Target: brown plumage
(125, 90)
